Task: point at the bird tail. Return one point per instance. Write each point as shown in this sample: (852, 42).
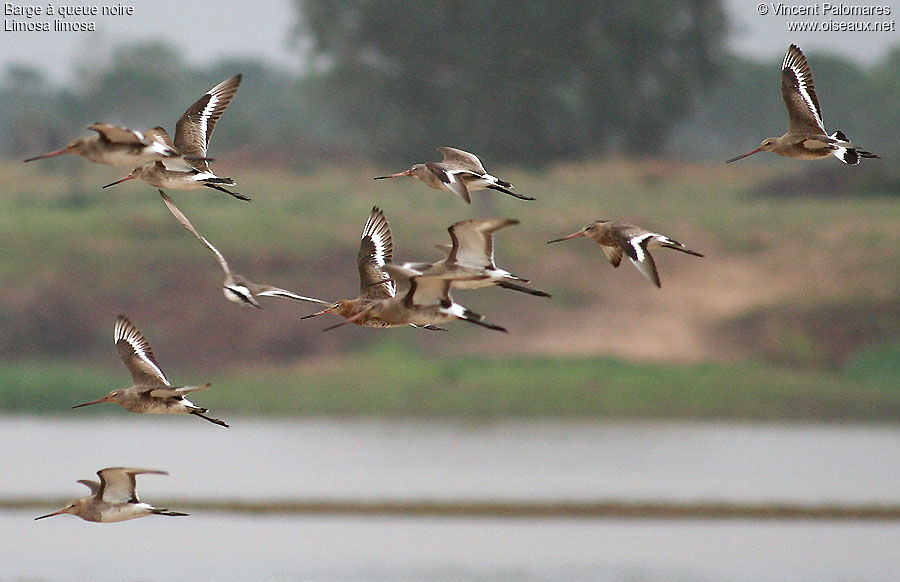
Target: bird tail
(847, 153)
(668, 243)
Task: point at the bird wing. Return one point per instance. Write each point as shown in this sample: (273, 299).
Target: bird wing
(270, 291)
(613, 253)
(193, 130)
(428, 290)
(170, 392)
(94, 486)
(179, 215)
(473, 241)
(117, 484)
(174, 163)
(434, 289)
(419, 267)
(401, 277)
(636, 249)
(116, 134)
(134, 349)
(160, 134)
(462, 160)
(799, 94)
(376, 250)
(452, 179)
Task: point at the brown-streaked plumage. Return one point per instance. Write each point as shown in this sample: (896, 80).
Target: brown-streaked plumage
(458, 172)
(617, 239)
(114, 498)
(806, 137)
(150, 392)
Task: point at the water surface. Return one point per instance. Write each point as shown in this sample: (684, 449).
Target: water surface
(446, 461)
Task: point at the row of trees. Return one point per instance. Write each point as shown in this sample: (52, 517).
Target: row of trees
(515, 82)
(527, 80)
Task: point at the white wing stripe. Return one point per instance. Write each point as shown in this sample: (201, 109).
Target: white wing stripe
(134, 338)
(206, 114)
(802, 88)
(635, 243)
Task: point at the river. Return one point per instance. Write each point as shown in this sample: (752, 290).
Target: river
(451, 461)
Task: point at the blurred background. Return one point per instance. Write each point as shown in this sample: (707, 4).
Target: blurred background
(764, 375)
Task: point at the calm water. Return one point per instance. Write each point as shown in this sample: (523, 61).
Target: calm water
(447, 461)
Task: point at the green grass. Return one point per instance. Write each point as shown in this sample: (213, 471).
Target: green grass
(877, 364)
(305, 217)
(393, 381)
(74, 261)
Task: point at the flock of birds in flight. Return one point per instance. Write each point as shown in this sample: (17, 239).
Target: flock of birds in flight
(425, 302)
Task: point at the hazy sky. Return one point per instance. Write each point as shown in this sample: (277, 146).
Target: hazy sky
(239, 28)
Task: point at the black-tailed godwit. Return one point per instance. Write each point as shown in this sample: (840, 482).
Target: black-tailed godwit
(806, 137)
(426, 302)
(150, 392)
(235, 287)
(472, 253)
(617, 238)
(192, 134)
(114, 498)
(376, 250)
(459, 172)
(116, 146)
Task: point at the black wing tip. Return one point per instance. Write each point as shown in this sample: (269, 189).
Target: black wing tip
(523, 289)
(210, 419)
(478, 319)
(166, 512)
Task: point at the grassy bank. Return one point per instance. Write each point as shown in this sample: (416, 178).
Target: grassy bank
(812, 318)
(391, 380)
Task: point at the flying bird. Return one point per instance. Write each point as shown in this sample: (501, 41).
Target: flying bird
(426, 302)
(192, 134)
(114, 498)
(458, 172)
(617, 238)
(376, 250)
(150, 392)
(235, 287)
(472, 253)
(806, 137)
(117, 146)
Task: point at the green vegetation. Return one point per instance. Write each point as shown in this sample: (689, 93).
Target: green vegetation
(877, 364)
(392, 380)
(440, 71)
(794, 290)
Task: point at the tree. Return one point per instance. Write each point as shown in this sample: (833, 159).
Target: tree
(519, 81)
